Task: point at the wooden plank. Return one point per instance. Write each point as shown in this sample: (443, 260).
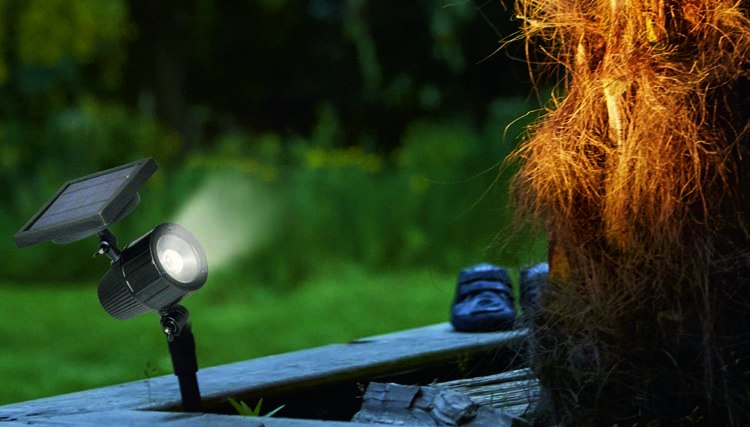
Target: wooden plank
(495, 400)
(395, 404)
(361, 359)
(512, 392)
(182, 419)
(274, 375)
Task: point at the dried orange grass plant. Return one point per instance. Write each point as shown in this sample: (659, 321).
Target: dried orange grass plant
(638, 172)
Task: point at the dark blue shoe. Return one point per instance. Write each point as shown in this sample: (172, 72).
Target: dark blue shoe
(531, 281)
(483, 301)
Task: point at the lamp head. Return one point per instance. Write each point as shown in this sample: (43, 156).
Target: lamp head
(154, 273)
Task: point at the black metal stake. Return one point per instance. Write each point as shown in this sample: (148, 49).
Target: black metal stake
(176, 326)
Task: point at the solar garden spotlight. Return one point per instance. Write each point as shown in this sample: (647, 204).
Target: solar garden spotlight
(154, 273)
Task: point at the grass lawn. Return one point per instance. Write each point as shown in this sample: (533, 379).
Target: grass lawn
(57, 339)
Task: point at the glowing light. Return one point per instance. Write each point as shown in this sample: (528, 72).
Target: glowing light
(172, 261)
(177, 257)
(231, 215)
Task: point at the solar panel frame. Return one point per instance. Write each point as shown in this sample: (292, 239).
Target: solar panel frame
(87, 205)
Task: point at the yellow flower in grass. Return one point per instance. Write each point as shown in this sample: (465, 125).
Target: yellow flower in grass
(316, 158)
(340, 158)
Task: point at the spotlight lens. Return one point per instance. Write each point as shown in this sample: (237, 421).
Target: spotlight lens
(172, 261)
(179, 258)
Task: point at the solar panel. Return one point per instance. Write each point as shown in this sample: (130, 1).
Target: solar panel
(87, 205)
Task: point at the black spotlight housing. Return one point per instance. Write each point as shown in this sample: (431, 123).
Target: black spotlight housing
(153, 273)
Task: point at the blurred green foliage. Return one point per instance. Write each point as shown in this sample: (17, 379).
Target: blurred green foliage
(439, 200)
(48, 31)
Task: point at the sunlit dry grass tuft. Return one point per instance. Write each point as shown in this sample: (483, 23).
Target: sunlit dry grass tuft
(636, 172)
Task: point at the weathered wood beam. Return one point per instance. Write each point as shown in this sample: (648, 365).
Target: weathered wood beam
(172, 419)
(512, 392)
(359, 360)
